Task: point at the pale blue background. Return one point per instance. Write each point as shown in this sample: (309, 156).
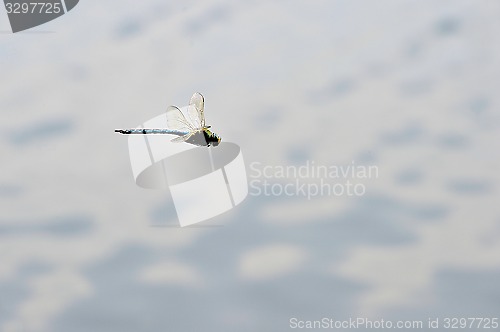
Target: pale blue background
(410, 86)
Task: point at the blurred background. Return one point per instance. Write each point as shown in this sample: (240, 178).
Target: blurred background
(409, 86)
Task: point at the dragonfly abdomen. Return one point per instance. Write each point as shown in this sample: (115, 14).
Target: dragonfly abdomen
(146, 131)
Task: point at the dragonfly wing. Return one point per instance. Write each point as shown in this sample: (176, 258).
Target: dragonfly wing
(181, 138)
(177, 121)
(197, 114)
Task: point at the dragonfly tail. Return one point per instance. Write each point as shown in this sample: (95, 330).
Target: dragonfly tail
(149, 131)
(122, 131)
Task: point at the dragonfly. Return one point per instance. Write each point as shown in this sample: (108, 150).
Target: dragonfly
(193, 131)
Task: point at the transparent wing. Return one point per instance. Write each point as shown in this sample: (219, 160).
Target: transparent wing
(181, 138)
(177, 121)
(196, 113)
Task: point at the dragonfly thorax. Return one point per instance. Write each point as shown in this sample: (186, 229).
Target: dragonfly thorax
(211, 138)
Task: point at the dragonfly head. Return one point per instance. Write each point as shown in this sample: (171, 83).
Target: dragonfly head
(216, 140)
